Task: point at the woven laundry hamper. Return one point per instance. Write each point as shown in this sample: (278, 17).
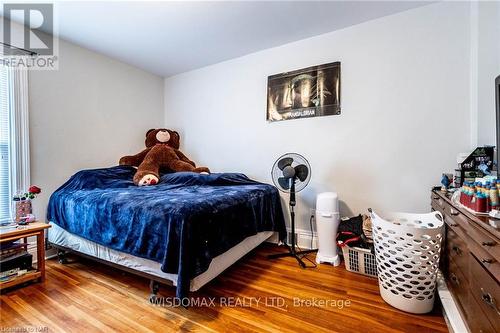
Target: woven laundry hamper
(407, 250)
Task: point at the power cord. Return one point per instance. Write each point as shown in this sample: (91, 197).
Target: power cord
(312, 231)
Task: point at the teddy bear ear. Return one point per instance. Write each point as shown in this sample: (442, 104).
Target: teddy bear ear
(149, 131)
(175, 138)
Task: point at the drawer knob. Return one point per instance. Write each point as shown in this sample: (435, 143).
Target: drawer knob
(457, 250)
(489, 243)
(486, 261)
(454, 279)
(453, 224)
(454, 213)
(489, 300)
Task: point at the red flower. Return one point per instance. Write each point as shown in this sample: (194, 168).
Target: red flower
(34, 189)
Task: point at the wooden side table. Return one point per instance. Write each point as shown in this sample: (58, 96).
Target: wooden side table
(24, 231)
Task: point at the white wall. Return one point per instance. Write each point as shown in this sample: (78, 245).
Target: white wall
(405, 110)
(488, 68)
(87, 114)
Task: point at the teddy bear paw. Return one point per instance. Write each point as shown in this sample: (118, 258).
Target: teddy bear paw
(202, 170)
(148, 179)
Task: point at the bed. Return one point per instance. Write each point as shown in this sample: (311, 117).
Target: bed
(185, 230)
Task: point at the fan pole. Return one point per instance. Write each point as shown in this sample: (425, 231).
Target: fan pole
(292, 252)
(292, 220)
(292, 204)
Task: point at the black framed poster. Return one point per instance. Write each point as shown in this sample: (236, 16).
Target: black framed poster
(304, 93)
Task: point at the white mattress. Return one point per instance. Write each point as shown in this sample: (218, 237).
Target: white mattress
(59, 236)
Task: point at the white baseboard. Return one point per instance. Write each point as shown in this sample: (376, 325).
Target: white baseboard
(49, 253)
(452, 315)
(303, 238)
(273, 239)
(32, 250)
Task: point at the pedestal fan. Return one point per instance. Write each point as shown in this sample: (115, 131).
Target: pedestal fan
(291, 174)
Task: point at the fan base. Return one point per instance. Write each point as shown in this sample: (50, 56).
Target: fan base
(292, 253)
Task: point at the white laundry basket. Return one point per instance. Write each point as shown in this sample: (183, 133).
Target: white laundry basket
(407, 250)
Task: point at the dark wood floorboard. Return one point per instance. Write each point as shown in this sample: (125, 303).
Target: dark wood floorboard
(85, 296)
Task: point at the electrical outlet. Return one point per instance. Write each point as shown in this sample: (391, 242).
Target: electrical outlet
(313, 212)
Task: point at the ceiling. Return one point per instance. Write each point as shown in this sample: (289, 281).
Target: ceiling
(167, 38)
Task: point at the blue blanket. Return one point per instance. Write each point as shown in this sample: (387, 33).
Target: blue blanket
(183, 222)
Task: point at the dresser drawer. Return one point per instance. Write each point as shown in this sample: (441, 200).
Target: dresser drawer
(457, 216)
(436, 207)
(476, 319)
(458, 284)
(488, 243)
(456, 225)
(440, 202)
(486, 291)
(488, 262)
(458, 251)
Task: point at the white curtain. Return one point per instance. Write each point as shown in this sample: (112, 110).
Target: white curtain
(19, 152)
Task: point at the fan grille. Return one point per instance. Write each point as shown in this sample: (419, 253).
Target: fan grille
(277, 172)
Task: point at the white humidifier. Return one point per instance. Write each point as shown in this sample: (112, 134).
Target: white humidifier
(327, 223)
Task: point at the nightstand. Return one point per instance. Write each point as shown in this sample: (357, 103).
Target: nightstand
(24, 231)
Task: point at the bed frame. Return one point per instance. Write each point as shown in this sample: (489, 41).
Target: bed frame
(154, 284)
(156, 280)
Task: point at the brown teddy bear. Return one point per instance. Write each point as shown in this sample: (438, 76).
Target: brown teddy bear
(162, 152)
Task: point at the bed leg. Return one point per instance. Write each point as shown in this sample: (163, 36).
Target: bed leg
(61, 255)
(154, 287)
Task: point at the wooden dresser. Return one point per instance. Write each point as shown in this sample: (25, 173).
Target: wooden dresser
(471, 264)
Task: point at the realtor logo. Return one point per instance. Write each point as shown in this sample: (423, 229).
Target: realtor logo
(28, 36)
(38, 22)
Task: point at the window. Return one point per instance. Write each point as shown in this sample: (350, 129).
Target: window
(4, 144)
(14, 136)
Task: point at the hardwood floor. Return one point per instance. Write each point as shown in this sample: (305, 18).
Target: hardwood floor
(84, 296)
